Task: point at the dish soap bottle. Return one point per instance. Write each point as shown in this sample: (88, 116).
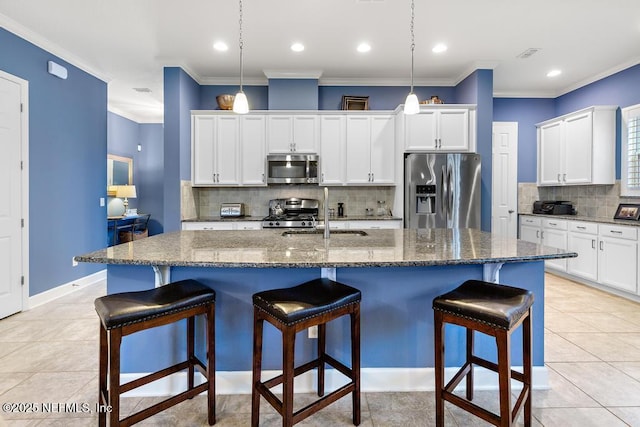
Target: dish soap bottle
(382, 208)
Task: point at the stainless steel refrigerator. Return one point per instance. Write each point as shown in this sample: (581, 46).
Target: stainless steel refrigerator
(442, 190)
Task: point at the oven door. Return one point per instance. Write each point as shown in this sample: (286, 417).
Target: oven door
(292, 169)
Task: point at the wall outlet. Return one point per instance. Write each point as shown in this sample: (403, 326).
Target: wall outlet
(313, 332)
(101, 202)
(74, 263)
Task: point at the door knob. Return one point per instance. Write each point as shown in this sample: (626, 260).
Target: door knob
(511, 211)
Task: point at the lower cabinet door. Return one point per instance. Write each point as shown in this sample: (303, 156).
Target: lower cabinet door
(555, 239)
(585, 265)
(617, 263)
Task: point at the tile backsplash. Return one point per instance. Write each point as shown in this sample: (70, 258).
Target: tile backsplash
(205, 202)
(595, 201)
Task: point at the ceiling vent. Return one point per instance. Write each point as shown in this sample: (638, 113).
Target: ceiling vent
(528, 53)
(142, 89)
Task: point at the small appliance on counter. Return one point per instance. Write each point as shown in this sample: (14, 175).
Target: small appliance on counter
(232, 210)
(553, 207)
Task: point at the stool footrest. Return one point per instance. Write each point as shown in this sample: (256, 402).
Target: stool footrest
(323, 402)
(159, 407)
(160, 374)
(493, 367)
(469, 406)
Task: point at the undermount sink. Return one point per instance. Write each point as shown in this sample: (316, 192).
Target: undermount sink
(313, 231)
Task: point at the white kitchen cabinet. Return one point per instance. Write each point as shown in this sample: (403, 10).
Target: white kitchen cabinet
(578, 148)
(618, 257)
(554, 234)
(531, 229)
(290, 133)
(215, 150)
(376, 224)
(333, 135)
(253, 149)
(370, 150)
(438, 129)
(222, 225)
(583, 239)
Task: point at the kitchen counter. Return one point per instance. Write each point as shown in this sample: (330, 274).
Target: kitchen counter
(259, 218)
(270, 249)
(601, 220)
(399, 272)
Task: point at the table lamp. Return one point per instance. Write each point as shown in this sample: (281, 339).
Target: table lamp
(126, 191)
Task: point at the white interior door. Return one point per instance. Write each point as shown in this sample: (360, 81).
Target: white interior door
(11, 265)
(504, 181)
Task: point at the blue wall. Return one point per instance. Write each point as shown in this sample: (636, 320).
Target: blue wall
(67, 163)
(258, 96)
(123, 137)
(293, 94)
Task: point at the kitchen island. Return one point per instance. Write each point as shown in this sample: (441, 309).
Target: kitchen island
(398, 271)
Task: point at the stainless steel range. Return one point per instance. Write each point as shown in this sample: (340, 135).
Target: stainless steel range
(291, 213)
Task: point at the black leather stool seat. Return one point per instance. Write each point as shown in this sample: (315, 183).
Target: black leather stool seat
(310, 299)
(497, 305)
(126, 308)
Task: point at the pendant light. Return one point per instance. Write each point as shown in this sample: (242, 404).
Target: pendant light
(240, 103)
(411, 104)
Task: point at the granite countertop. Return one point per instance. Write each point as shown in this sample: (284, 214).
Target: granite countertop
(602, 220)
(269, 248)
(259, 218)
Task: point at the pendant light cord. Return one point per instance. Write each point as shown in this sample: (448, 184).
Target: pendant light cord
(241, 47)
(413, 41)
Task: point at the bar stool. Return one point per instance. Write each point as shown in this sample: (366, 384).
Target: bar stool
(495, 310)
(291, 310)
(128, 312)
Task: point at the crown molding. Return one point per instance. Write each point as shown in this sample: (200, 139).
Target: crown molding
(611, 71)
(130, 115)
(234, 81)
(47, 45)
(284, 74)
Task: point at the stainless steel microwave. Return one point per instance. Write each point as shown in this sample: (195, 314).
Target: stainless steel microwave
(292, 169)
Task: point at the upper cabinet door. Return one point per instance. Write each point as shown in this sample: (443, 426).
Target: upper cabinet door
(421, 131)
(578, 143)
(453, 132)
(333, 150)
(306, 134)
(203, 132)
(227, 157)
(358, 150)
(253, 147)
(280, 134)
(382, 149)
(549, 154)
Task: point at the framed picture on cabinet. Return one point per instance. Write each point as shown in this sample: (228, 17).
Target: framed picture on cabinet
(627, 211)
(355, 102)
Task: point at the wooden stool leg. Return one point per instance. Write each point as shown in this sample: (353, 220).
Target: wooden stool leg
(322, 344)
(527, 365)
(288, 345)
(355, 363)
(258, 324)
(439, 366)
(503, 341)
(102, 377)
(469, 357)
(211, 363)
(115, 339)
(190, 351)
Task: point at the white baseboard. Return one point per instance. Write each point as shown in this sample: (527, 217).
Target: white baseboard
(373, 380)
(66, 289)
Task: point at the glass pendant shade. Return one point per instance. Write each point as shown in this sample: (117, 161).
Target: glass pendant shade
(411, 104)
(240, 103)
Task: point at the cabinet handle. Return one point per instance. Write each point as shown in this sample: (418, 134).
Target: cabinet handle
(615, 231)
(601, 244)
(373, 178)
(542, 235)
(263, 178)
(553, 223)
(435, 141)
(564, 177)
(537, 234)
(439, 142)
(581, 228)
(559, 178)
(593, 243)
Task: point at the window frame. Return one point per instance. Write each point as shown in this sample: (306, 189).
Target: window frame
(628, 113)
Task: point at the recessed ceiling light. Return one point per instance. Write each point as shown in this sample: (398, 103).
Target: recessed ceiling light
(554, 73)
(439, 48)
(220, 46)
(297, 47)
(364, 47)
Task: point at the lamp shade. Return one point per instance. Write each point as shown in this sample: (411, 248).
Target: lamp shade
(240, 104)
(126, 191)
(411, 105)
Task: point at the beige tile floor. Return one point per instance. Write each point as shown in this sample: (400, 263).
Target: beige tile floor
(592, 341)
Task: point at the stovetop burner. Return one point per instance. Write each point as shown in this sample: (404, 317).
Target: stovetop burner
(291, 213)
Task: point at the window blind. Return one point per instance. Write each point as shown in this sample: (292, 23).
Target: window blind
(633, 152)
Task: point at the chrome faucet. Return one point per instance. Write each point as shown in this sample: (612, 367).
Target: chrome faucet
(326, 212)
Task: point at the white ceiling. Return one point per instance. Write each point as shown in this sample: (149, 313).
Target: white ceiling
(128, 42)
